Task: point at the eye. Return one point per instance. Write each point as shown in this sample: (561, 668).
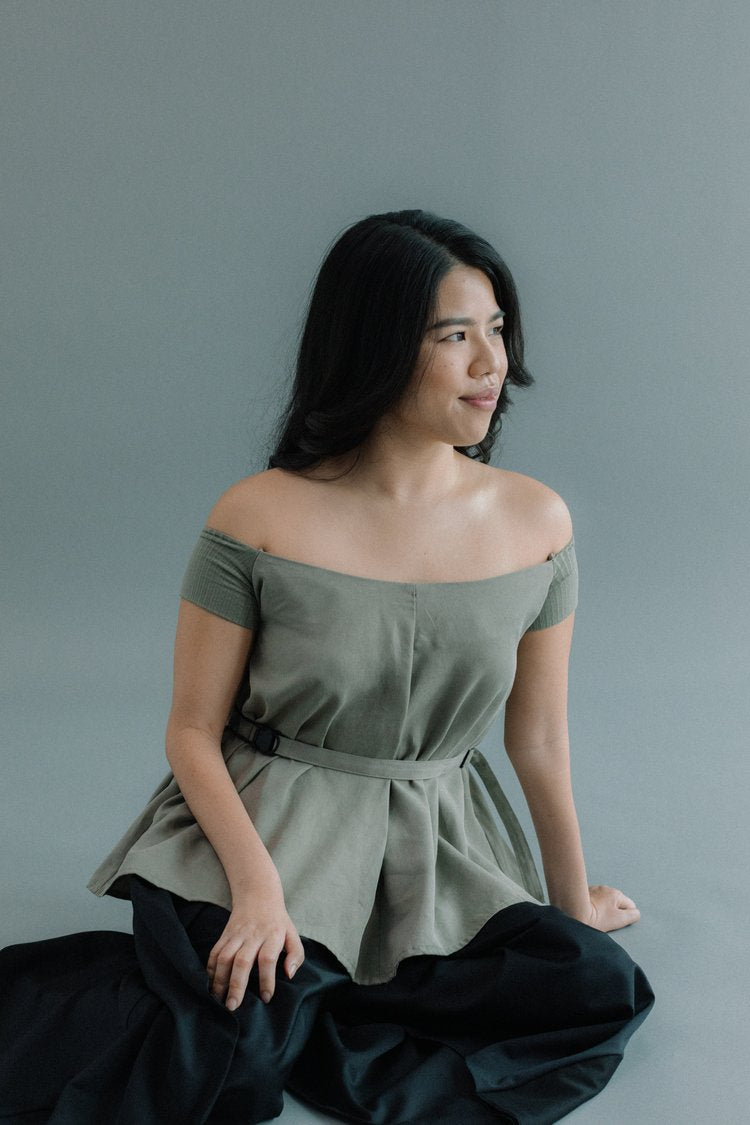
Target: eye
(497, 329)
(458, 336)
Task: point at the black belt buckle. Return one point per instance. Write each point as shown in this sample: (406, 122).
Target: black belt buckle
(265, 739)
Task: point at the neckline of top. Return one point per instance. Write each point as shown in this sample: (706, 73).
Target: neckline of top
(391, 581)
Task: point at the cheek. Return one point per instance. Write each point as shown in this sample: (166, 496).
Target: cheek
(440, 381)
(444, 367)
(426, 380)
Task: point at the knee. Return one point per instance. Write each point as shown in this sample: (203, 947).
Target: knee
(597, 970)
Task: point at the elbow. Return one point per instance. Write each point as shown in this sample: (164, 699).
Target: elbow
(171, 745)
(535, 731)
(550, 746)
(183, 740)
(173, 738)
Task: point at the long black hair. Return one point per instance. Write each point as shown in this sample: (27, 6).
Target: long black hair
(371, 305)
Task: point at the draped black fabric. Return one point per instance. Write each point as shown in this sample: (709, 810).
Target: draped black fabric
(522, 1025)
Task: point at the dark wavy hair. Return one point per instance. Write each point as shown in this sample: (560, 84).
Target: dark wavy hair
(371, 305)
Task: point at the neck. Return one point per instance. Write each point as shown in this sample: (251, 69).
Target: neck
(403, 473)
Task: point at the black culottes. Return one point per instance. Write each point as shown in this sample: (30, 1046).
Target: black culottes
(521, 1025)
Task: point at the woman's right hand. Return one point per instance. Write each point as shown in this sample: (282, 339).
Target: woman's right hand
(259, 929)
(210, 662)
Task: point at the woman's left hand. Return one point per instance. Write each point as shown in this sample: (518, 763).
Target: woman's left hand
(611, 909)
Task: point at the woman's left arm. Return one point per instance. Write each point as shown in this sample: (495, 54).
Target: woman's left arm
(536, 741)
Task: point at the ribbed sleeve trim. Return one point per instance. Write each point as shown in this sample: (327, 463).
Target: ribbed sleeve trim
(562, 596)
(219, 578)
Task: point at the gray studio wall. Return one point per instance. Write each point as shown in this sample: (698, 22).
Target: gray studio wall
(173, 173)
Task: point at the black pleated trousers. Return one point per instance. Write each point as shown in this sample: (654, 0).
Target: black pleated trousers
(527, 1021)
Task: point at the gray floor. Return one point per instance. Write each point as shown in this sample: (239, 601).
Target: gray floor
(673, 845)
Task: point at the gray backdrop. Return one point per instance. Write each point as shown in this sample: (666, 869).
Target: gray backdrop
(173, 173)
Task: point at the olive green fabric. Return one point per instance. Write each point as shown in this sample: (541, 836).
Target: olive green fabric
(375, 868)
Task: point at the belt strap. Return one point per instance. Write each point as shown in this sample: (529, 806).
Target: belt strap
(512, 826)
(272, 742)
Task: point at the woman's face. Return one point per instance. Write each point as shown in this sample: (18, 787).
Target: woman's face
(461, 365)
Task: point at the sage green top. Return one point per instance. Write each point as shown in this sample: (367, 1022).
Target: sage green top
(375, 868)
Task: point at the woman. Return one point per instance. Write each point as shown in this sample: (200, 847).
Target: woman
(322, 899)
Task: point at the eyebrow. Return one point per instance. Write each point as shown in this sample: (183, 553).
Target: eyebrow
(463, 320)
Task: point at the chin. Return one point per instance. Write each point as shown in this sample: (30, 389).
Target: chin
(474, 438)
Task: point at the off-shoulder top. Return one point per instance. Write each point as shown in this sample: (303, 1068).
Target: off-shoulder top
(376, 868)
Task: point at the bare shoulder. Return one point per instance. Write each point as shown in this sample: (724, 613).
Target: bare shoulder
(535, 508)
(245, 511)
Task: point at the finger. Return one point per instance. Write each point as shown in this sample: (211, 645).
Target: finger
(625, 917)
(268, 959)
(242, 964)
(295, 953)
(213, 956)
(624, 901)
(211, 963)
(223, 968)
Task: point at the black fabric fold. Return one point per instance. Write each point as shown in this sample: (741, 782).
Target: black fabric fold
(527, 1021)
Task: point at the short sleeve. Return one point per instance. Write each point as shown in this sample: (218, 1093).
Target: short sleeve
(219, 578)
(562, 596)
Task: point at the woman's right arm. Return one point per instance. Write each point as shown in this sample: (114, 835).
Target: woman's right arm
(209, 661)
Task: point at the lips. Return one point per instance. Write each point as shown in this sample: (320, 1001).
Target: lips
(486, 396)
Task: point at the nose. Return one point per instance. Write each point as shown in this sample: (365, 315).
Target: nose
(489, 358)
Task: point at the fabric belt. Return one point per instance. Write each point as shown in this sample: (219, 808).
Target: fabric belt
(269, 741)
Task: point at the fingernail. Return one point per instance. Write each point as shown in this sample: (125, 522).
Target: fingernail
(231, 1003)
(265, 997)
(293, 969)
